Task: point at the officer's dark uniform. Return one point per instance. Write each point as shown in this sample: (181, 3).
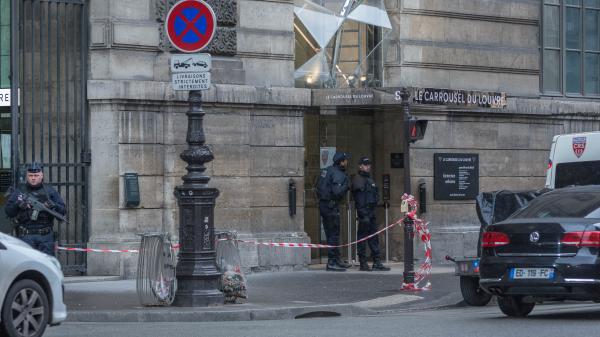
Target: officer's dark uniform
(332, 187)
(364, 192)
(37, 233)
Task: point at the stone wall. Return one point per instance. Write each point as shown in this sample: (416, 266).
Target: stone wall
(256, 136)
(470, 45)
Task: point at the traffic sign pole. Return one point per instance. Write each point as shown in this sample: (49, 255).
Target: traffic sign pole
(191, 25)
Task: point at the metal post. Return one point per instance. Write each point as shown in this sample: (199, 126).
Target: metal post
(197, 274)
(387, 237)
(356, 224)
(14, 89)
(409, 267)
(349, 214)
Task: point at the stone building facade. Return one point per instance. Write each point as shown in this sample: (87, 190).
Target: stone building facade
(265, 128)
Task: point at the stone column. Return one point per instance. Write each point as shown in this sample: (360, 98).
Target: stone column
(197, 274)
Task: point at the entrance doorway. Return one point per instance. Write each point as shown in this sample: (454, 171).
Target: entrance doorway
(327, 131)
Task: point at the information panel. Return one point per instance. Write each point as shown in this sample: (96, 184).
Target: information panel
(386, 187)
(456, 176)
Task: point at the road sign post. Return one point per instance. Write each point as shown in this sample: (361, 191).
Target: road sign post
(190, 26)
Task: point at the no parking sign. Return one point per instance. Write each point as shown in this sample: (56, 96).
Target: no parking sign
(191, 25)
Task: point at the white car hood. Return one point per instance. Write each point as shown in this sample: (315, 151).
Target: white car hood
(13, 241)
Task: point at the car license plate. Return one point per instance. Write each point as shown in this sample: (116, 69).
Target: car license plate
(532, 273)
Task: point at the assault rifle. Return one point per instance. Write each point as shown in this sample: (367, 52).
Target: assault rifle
(37, 206)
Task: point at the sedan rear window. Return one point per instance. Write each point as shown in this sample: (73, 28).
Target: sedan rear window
(562, 205)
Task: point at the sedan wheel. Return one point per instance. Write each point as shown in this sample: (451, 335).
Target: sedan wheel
(472, 292)
(26, 310)
(513, 306)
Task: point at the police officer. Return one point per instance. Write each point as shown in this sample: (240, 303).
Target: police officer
(332, 187)
(35, 228)
(364, 192)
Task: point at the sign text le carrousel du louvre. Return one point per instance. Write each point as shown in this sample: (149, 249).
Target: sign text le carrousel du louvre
(450, 97)
(455, 176)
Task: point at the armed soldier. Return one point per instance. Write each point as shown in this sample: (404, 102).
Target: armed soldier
(364, 192)
(332, 187)
(34, 208)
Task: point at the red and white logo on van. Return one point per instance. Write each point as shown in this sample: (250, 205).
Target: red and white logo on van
(579, 145)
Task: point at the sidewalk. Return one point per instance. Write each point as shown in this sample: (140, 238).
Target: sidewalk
(281, 295)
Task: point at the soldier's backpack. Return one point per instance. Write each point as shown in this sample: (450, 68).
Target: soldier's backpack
(324, 185)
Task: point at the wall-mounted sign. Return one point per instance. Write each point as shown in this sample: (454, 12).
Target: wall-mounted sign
(4, 97)
(456, 176)
(397, 160)
(457, 97)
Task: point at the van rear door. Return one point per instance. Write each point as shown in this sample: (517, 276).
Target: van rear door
(575, 160)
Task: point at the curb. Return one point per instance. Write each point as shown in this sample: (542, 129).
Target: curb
(218, 314)
(194, 315)
(86, 279)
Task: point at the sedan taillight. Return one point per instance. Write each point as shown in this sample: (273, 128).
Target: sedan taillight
(494, 239)
(581, 239)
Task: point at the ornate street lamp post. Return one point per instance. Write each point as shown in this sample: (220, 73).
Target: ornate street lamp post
(197, 274)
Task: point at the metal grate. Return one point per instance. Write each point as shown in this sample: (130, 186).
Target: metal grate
(53, 116)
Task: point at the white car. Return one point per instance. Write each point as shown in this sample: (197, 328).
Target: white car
(31, 289)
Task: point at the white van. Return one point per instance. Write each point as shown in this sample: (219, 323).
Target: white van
(574, 160)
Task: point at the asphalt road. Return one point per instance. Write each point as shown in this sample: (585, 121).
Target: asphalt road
(545, 320)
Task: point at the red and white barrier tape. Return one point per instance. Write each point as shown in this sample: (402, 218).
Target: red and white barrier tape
(313, 245)
(422, 229)
(271, 244)
(91, 250)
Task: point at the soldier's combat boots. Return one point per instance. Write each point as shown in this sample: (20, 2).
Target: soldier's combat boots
(332, 265)
(364, 265)
(378, 266)
(343, 263)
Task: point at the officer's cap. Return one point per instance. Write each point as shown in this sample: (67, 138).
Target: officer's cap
(364, 161)
(34, 167)
(340, 156)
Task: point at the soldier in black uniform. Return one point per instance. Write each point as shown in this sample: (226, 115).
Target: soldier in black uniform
(364, 192)
(332, 187)
(35, 228)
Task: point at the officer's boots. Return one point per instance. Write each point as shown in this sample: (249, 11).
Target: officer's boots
(332, 265)
(378, 266)
(364, 265)
(343, 263)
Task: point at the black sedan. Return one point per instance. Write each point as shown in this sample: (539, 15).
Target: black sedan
(547, 251)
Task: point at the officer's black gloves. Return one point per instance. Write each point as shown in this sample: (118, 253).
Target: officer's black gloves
(49, 204)
(22, 204)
